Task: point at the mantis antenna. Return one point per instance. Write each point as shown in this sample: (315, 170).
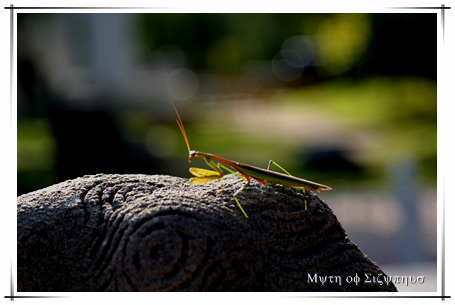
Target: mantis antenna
(179, 122)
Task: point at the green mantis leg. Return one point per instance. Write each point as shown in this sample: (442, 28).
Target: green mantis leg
(277, 165)
(215, 166)
(219, 168)
(303, 190)
(230, 170)
(241, 189)
(236, 200)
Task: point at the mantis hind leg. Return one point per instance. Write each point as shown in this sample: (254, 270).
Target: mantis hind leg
(237, 201)
(239, 190)
(280, 167)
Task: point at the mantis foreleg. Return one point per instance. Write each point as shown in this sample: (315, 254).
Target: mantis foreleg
(230, 170)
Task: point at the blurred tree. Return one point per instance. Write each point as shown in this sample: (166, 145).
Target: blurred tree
(221, 41)
(343, 40)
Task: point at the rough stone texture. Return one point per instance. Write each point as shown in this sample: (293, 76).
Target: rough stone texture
(161, 233)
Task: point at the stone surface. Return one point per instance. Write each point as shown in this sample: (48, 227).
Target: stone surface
(161, 233)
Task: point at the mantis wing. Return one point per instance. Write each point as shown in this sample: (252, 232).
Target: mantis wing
(202, 180)
(203, 176)
(200, 172)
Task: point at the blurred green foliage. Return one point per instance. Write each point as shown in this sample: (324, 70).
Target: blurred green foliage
(372, 74)
(344, 43)
(343, 39)
(36, 154)
(222, 42)
(402, 110)
(35, 145)
(396, 116)
(218, 42)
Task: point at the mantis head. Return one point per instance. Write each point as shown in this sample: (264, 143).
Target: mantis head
(192, 155)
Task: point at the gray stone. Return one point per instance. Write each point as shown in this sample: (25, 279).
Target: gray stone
(161, 233)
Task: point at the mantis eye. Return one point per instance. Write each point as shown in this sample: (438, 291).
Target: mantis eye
(192, 155)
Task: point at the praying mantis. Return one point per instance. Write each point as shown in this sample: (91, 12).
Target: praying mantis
(243, 171)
